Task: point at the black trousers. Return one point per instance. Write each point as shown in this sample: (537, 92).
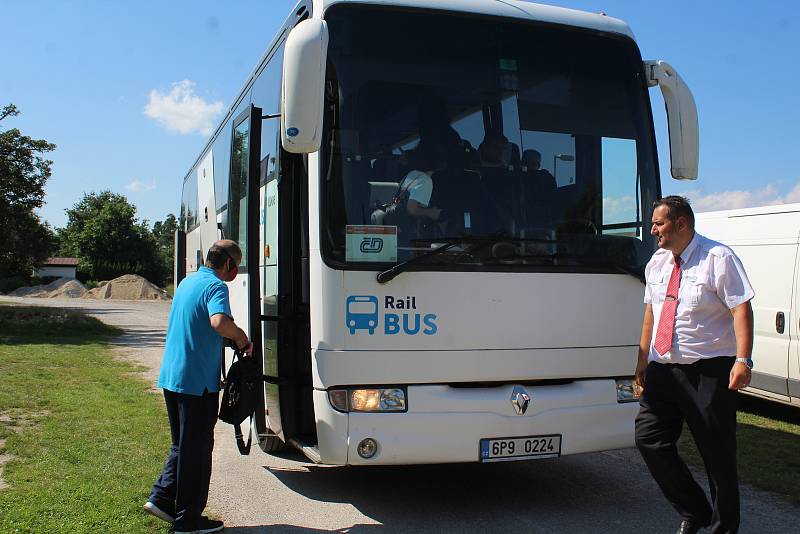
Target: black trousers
(182, 487)
(698, 394)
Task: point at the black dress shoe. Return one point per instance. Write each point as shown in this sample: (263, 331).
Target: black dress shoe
(688, 527)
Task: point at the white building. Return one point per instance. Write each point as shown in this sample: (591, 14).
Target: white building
(60, 267)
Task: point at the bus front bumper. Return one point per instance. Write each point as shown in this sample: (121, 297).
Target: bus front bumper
(446, 424)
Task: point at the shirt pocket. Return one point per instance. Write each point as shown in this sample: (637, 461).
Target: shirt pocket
(658, 287)
(693, 289)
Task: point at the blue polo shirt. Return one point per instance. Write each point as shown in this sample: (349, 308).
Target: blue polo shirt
(192, 352)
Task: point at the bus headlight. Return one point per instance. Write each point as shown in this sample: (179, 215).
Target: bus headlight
(627, 391)
(368, 400)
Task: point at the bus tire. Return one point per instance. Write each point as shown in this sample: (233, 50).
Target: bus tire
(267, 441)
(271, 443)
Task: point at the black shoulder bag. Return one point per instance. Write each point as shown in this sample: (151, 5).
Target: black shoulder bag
(241, 387)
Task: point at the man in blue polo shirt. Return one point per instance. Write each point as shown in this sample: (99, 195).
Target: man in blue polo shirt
(200, 317)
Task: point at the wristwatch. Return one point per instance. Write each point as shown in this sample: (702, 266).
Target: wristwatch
(747, 361)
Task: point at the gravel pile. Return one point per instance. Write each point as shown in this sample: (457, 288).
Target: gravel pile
(63, 287)
(128, 287)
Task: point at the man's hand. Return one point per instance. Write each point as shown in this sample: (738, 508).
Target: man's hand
(644, 348)
(227, 328)
(641, 374)
(246, 348)
(740, 376)
(743, 329)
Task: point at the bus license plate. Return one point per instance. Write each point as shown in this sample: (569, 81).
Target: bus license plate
(506, 449)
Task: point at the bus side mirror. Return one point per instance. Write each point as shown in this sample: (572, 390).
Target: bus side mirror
(303, 86)
(684, 135)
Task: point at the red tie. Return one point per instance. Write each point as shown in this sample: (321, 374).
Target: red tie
(666, 323)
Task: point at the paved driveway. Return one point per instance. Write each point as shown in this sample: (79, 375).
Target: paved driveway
(597, 493)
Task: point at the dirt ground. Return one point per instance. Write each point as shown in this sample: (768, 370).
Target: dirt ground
(598, 493)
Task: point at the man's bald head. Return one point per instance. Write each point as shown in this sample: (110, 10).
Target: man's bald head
(222, 252)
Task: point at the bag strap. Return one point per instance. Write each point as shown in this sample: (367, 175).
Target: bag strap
(403, 190)
(244, 448)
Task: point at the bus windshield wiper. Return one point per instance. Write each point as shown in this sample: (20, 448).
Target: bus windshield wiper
(390, 273)
(552, 256)
(632, 271)
(448, 243)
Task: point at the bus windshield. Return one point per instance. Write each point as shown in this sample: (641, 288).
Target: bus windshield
(528, 146)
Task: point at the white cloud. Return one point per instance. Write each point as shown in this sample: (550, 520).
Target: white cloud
(138, 186)
(768, 195)
(619, 209)
(181, 110)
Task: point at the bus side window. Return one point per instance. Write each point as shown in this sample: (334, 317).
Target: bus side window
(189, 202)
(266, 95)
(222, 166)
(237, 203)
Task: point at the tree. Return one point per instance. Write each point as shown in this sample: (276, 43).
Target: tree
(164, 232)
(164, 235)
(104, 234)
(23, 174)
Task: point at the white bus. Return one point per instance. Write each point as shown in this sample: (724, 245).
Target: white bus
(496, 314)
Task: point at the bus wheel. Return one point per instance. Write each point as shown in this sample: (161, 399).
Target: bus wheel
(271, 444)
(268, 441)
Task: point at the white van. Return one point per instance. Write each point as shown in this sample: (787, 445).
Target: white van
(766, 240)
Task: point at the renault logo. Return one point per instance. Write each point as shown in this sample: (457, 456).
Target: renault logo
(520, 400)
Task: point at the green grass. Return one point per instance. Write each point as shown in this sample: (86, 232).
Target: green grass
(86, 435)
(768, 441)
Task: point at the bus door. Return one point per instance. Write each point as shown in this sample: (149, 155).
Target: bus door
(243, 222)
(290, 411)
(207, 215)
(271, 313)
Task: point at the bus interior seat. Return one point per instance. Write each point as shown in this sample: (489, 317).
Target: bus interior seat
(381, 192)
(501, 184)
(459, 192)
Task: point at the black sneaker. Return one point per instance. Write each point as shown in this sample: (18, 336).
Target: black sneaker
(159, 511)
(203, 525)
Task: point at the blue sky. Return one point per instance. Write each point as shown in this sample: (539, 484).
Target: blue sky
(129, 91)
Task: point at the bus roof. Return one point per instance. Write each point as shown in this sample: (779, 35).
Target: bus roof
(503, 8)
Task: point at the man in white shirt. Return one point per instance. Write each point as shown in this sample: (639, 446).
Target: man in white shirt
(694, 354)
(420, 188)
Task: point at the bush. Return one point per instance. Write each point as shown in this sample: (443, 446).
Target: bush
(108, 270)
(42, 280)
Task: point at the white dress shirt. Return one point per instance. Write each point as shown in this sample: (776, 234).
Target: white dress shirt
(419, 186)
(713, 282)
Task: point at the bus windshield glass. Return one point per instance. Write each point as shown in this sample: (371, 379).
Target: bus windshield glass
(527, 145)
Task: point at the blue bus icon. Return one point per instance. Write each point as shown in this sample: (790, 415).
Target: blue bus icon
(362, 313)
